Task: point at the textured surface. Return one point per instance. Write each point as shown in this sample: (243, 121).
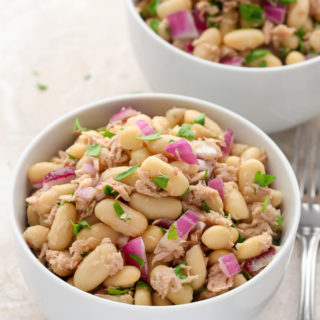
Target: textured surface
(64, 41)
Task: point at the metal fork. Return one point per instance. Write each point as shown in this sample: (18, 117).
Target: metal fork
(306, 163)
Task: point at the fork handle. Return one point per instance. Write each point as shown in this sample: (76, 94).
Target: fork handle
(310, 243)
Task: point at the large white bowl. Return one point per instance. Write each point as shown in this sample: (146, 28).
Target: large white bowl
(273, 98)
(59, 300)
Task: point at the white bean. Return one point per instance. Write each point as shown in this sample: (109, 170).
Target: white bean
(244, 39)
(124, 278)
(36, 236)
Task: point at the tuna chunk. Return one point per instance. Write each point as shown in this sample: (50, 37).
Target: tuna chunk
(217, 280)
(225, 172)
(168, 250)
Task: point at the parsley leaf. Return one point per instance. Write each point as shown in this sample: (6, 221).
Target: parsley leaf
(275, 241)
(142, 284)
(205, 175)
(151, 8)
(77, 126)
(118, 292)
(300, 34)
(179, 271)
(150, 137)
(120, 212)
(279, 221)
(84, 254)
(200, 290)
(161, 181)
(108, 134)
(41, 86)
(87, 76)
(127, 173)
(252, 13)
(186, 132)
(138, 259)
(263, 180)
(77, 227)
(246, 274)
(204, 206)
(187, 191)
(265, 203)
(163, 230)
(154, 25)
(287, 1)
(70, 156)
(94, 150)
(240, 239)
(108, 191)
(172, 233)
(262, 64)
(199, 119)
(255, 55)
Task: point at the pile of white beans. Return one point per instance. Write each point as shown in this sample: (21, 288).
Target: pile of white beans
(106, 234)
(233, 37)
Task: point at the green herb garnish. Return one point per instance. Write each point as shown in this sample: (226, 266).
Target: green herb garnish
(300, 33)
(279, 221)
(205, 175)
(186, 132)
(87, 76)
(94, 150)
(108, 191)
(199, 119)
(118, 292)
(108, 134)
(120, 212)
(84, 254)
(163, 230)
(77, 126)
(240, 239)
(154, 25)
(263, 180)
(172, 233)
(138, 259)
(204, 206)
(60, 203)
(255, 55)
(77, 227)
(287, 1)
(252, 13)
(200, 290)
(179, 271)
(41, 86)
(161, 181)
(127, 173)
(246, 274)
(151, 8)
(187, 191)
(262, 64)
(171, 140)
(142, 284)
(265, 203)
(150, 137)
(70, 156)
(275, 241)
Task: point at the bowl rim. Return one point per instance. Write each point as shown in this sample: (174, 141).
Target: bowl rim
(18, 236)
(206, 63)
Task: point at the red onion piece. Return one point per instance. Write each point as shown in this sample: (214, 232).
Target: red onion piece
(88, 168)
(59, 176)
(86, 193)
(181, 150)
(185, 223)
(136, 246)
(165, 223)
(228, 138)
(200, 19)
(217, 184)
(38, 185)
(237, 61)
(144, 127)
(229, 264)
(123, 114)
(260, 262)
(182, 25)
(190, 47)
(273, 13)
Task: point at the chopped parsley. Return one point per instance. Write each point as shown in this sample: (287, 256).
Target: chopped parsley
(87, 76)
(287, 1)
(108, 134)
(240, 239)
(60, 203)
(186, 192)
(94, 150)
(77, 126)
(138, 259)
(204, 206)
(42, 86)
(263, 180)
(118, 292)
(300, 33)
(120, 212)
(199, 119)
(283, 52)
(151, 9)
(77, 227)
(275, 241)
(252, 13)
(161, 181)
(246, 274)
(172, 233)
(84, 254)
(163, 229)
(279, 221)
(70, 156)
(179, 271)
(127, 173)
(108, 191)
(255, 55)
(150, 137)
(205, 175)
(200, 290)
(171, 140)
(265, 203)
(142, 284)
(154, 25)
(262, 64)
(186, 132)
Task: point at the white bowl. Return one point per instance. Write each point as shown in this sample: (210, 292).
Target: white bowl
(59, 300)
(273, 98)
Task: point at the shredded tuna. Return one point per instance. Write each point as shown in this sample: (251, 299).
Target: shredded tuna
(61, 260)
(228, 187)
(229, 6)
(225, 172)
(267, 31)
(207, 150)
(215, 218)
(168, 250)
(123, 189)
(315, 9)
(280, 33)
(262, 222)
(49, 218)
(42, 254)
(166, 280)
(217, 280)
(227, 52)
(161, 157)
(253, 192)
(83, 245)
(64, 159)
(195, 235)
(115, 263)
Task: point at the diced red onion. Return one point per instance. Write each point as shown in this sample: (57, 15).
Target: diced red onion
(217, 184)
(274, 13)
(229, 264)
(59, 176)
(190, 47)
(200, 19)
(182, 25)
(136, 246)
(38, 185)
(260, 262)
(144, 127)
(237, 61)
(86, 193)
(228, 138)
(88, 168)
(181, 150)
(185, 223)
(122, 240)
(123, 114)
(165, 223)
